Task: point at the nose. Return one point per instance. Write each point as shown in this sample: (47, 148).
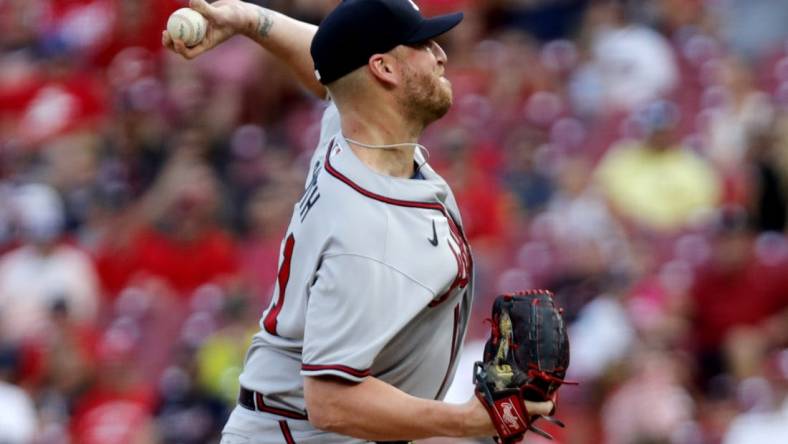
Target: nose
(440, 55)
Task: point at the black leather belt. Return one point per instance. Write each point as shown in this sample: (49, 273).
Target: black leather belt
(254, 401)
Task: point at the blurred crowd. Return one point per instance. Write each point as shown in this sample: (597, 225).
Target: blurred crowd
(630, 155)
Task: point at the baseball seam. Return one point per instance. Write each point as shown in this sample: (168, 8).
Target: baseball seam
(183, 22)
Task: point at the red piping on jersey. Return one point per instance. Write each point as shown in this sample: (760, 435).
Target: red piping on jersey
(270, 321)
(260, 403)
(464, 259)
(460, 280)
(453, 354)
(339, 368)
(286, 432)
(370, 194)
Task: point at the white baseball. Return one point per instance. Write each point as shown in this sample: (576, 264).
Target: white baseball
(188, 25)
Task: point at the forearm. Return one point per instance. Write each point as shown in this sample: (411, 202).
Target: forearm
(287, 38)
(374, 410)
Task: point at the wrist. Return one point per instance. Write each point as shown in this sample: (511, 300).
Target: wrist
(474, 420)
(464, 426)
(256, 22)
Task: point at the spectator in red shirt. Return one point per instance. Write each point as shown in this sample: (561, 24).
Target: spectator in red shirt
(740, 299)
(118, 408)
(174, 234)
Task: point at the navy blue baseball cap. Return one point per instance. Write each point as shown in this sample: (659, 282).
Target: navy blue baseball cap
(357, 29)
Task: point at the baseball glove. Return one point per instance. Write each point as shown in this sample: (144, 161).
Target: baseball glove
(525, 358)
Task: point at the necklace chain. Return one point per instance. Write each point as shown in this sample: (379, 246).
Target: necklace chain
(424, 150)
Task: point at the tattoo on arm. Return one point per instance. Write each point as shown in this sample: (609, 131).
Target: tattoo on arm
(265, 22)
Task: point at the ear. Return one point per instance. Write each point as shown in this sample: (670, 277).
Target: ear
(383, 67)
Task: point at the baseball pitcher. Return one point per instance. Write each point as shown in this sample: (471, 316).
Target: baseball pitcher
(374, 289)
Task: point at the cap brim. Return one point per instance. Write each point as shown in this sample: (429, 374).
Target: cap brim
(435, 26)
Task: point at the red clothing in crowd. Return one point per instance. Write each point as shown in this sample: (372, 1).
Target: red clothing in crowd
(745, 296)
(106, 416)
(40, 107)
(104, 27)
(184, 266)
(483, 203)
(42, 357)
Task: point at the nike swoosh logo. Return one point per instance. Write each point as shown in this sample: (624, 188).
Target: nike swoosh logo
(434, 240)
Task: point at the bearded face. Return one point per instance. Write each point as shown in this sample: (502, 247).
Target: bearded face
(426, 96)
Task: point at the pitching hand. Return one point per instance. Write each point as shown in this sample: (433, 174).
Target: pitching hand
(225, 19)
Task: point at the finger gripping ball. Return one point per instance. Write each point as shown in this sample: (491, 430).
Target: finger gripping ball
(188, 25)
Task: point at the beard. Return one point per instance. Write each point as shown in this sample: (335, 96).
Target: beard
(426, 97)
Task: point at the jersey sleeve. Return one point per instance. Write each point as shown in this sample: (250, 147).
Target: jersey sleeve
(355, 307)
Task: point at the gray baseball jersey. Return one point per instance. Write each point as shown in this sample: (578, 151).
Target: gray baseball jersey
(375, 278)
